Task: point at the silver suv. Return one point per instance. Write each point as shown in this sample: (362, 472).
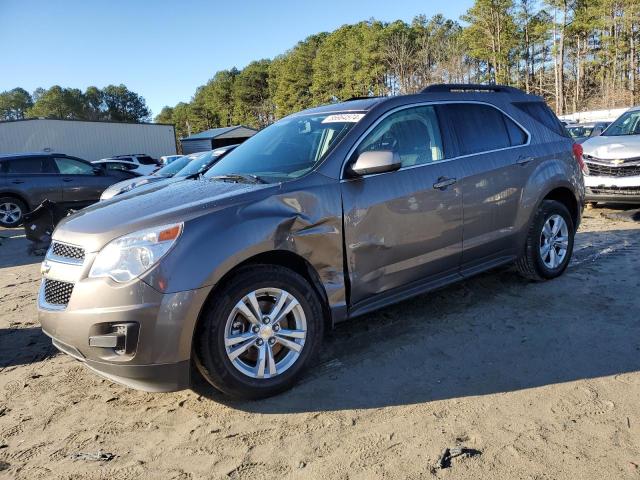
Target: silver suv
(324, 216)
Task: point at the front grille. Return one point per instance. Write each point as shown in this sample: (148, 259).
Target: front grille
(614, 190)
(67, 251)
(56, 292)
(597, 170)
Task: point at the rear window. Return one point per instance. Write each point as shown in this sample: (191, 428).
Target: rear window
(482, 128)
(540, 112)
(25, 165)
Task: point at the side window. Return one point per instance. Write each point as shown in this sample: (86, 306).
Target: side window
(146, 160)
(120, 166)
(413, 133)
(25, 165)
(69, 166)
(540, 112)
(517, 136)
(479, 128)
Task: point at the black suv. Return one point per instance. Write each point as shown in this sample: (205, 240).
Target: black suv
(27, 179)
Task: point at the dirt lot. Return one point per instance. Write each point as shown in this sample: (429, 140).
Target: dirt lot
(542, 379)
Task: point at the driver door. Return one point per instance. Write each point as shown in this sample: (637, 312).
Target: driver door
(82, 185)
(403, 227)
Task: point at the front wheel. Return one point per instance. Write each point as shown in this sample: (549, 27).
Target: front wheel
(549, 242)
(259, 332)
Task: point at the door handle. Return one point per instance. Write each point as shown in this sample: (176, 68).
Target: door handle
(67, 179)
(524, 160)
(443, 183)
(17, 182)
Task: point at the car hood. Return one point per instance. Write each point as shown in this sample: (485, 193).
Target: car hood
(612, 148)
(135, 182)
(95, 226)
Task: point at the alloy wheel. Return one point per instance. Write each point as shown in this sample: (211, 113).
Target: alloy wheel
(554, 241)
(265, 333)
(10, 213)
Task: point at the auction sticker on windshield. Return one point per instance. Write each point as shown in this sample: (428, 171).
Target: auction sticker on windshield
(344, 117)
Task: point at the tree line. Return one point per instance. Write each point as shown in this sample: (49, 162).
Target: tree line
(113, 103)
(577, 54)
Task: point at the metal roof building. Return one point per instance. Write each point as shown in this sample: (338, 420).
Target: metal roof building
(216, 137)
(91, 140)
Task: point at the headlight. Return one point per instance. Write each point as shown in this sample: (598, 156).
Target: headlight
(131, 255)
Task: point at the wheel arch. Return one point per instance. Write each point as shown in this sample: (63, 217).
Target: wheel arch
(565, 196)
(17, 196)
(282, 258)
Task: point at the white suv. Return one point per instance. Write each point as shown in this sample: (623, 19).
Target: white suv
(144, 164)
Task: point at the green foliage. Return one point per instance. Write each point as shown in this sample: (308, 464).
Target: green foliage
(15, 103)
(116, 103)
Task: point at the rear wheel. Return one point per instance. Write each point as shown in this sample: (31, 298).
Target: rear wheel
(259, 332)
(11, 211)
(549, 242)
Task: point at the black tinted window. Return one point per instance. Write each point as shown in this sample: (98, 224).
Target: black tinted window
(145, 160)
(479, 128)
(25, 165)
(540, 112)
(517, 136)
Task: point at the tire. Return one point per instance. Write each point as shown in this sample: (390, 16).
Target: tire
(222, 320)
(531, 264)
(11, 211)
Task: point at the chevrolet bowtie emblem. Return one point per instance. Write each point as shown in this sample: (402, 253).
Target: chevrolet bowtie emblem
(617, 162)
(45, 267)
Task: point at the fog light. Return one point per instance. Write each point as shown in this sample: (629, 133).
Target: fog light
(122, 338)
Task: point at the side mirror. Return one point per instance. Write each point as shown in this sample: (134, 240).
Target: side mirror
(98, 171)
(376, 162)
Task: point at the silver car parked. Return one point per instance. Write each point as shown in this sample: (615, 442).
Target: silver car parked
(326, 215)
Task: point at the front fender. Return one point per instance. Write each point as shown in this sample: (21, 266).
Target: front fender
(306, 221)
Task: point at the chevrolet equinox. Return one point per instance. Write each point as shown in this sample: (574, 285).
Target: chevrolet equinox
(325, 215)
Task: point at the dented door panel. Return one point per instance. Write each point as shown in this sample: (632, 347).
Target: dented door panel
(399, 228)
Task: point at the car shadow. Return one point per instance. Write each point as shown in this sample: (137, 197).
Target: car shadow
(490, 334)
(15, 249)
(23, 346)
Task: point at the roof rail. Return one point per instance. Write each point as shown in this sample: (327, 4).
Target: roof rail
(470, 87)
(351, 99)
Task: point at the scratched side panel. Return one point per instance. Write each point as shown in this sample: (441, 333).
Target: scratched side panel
(303, 217)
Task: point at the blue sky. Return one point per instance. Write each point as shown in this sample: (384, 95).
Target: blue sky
(164, 49)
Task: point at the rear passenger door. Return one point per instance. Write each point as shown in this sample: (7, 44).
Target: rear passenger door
(495, 151)
(33, 178)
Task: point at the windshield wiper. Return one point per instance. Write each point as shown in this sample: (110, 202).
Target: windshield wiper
(240, 177)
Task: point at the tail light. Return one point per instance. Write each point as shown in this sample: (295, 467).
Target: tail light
(577, 153)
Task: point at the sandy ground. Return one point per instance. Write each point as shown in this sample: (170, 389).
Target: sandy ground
(542, 379)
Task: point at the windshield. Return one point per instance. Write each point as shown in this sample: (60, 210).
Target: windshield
(627, 124)
(198, 165)
(173, 167)
(579, 132)
(287, 149)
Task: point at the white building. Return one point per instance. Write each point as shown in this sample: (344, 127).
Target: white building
(86, 139)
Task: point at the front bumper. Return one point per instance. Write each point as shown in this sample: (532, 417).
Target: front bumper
(158, 352)
(612, 189)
